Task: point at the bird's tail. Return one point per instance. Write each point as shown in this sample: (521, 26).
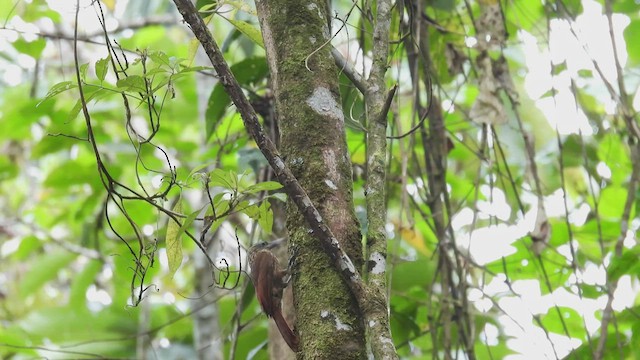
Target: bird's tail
(287, 334)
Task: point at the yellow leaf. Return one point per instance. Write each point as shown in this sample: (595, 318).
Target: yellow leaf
(414, 238)
(110, 4)
(174, 241)
(194, 44)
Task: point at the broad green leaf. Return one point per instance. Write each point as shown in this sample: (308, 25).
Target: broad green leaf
(28, 245)
(8, 169)
(226, 179)
(625, 264)
(197, 169)
(570, 317)
(574, 149)
(83, 173)
(249, 30)
(631, 36)
(263, 186)
(81, 282)
(43, 270)
(83, 72)
(413, 273)
(31, 48)
(573, 7)
(626, 6)
(612, 200)
(247, 71)
(216, 107)
(242, 5)
(36, 10)
(57, 89)
(615, 154)
(102, 67)
(266, 217)
(174, 242)
(90, 93)
(21, 341)
(133, 83)
(523, 14)
(160, 58)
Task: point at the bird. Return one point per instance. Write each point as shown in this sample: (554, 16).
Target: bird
(269, 280)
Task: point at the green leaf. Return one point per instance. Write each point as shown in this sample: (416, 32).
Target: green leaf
(90, 93)
(28, 245)
(556, 69)
(197, 169)
(133, 83)
(174, 242)
(248, 71)
(249, 30)
(83, 72)
(573, 151)
(43, 270)
(265, 219)
(612, 200)
(574, 7)
(523, 14)
(263, 186)
(83, 173)
(57, 89)
(160, 58)
(8, 168)
(413, 273)
(585, 73)
(226, 179)
(625, 6)
(570, 317)
(216, 107)
(102, 67)
(625, 264)
(31, 48)
(613, 152)
(82, 281)
(631, 36)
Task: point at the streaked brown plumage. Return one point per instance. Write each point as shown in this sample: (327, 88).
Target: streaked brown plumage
(269, 280)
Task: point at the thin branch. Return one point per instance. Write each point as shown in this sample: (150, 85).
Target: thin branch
(348, 69)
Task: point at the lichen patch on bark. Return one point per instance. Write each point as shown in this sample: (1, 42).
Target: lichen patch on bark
(323, 103)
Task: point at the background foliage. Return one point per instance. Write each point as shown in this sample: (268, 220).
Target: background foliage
(98, 252)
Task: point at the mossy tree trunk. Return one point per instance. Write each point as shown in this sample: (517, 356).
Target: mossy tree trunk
(305, 84)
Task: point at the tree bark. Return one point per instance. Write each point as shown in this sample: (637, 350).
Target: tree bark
(305, 84)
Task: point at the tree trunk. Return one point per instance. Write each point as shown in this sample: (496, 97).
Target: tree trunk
(305, 84)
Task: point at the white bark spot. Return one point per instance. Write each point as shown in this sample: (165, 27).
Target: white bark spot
(342, 326)
(380, 263)
(330, 184)
(385, 340)
(297, 161)
(347, 264)
(329, 157)
(279, 164)
(312, 7)
(325, 314)
(334, 242)
(372, 323)
(317, 215)
(323, 103)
